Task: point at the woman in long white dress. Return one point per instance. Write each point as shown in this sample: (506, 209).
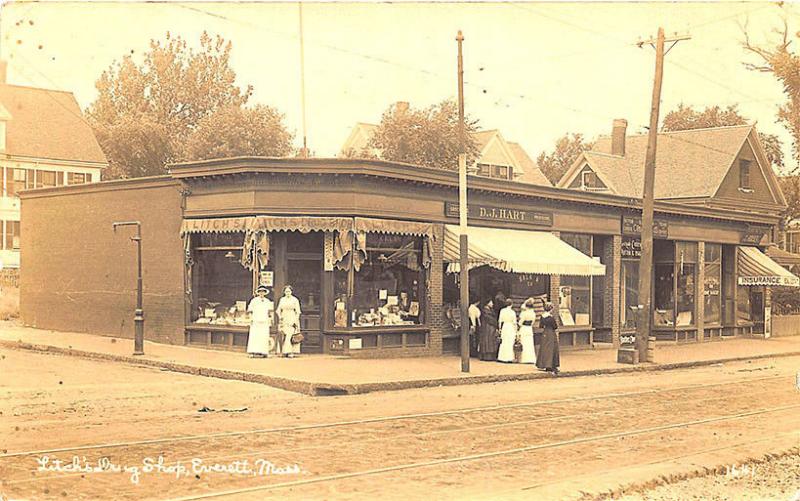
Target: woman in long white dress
(289, 321)
(260, 308)
(508, 332)
(527, 317)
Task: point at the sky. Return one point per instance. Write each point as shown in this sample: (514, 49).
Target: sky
(534, 71)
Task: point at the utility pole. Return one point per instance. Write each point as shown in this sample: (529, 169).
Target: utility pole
(462, 214)
(304, 151)
(643, 326)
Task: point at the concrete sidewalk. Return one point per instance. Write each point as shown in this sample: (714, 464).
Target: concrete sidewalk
(329, 375)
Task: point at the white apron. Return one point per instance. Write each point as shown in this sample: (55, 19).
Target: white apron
(508, 334)
(526, 336)
(289, 321)
(258, 339)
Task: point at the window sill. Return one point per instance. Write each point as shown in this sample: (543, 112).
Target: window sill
(217, 327)
(747, 190)
(386, 329)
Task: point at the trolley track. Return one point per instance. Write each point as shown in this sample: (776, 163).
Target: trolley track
(383, 419)
(295, 447)
(486, 455)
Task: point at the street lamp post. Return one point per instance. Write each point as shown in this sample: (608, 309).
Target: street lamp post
(138, 315)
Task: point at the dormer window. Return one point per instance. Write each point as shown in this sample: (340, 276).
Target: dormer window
(744, 175)
(590, 181)
(495, 171)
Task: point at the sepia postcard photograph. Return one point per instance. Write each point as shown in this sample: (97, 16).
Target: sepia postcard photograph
(521, 250)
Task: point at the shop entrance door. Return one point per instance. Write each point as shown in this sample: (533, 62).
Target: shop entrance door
(757, 310)
(305, 277)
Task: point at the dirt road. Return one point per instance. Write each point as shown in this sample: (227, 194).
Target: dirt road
(526, 440)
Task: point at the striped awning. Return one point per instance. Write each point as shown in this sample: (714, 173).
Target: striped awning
(756, 268)
(519, 251)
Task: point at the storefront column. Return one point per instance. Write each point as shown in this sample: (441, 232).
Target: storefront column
(613, 282)
(699, 292)
(555, 286)
(434, 304)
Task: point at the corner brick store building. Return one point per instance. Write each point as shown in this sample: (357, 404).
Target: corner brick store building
(354, 235)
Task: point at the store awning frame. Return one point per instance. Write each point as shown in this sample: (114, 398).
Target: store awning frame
(519, 251)
(756, 269)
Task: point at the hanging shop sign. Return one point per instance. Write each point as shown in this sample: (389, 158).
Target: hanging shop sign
(631, 247)
(494, 213)
(632, 225)
(266, 278)
(753, 235)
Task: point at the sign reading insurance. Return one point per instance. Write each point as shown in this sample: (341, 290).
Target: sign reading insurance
(493, 213)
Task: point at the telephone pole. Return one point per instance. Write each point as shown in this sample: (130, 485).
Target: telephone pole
(462, 214)
(643, 326)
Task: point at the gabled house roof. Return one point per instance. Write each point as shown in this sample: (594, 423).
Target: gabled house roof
(524, 167)
(46, 123)
(689, 164)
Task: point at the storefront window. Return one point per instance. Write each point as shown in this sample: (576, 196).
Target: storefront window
(630, 294)
(711, 284)
(685, 264)
(340, 307)
(575, 292)
(387, 288)
(221, 285)
(743, 308)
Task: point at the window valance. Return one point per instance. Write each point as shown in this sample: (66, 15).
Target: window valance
(303, 224)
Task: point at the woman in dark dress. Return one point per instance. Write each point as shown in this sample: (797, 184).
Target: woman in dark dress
(548, 358)
(487, 342)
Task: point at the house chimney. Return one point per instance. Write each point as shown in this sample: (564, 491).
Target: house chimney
(400, 107)
(618, 137)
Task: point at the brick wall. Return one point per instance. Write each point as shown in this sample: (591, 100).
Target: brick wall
(612, 257)
(435, 314)
(78, 275)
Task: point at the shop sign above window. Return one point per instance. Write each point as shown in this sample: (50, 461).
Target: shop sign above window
(492, 213)
(753, 235)
(632, 225)
(631, 247)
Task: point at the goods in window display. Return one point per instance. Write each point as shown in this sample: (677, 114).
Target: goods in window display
(340, 311)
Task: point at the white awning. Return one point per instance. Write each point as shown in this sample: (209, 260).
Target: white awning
(756, 268)
(519, 251)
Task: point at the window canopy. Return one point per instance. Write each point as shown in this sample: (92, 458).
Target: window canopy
(756, 268)
(519, 251)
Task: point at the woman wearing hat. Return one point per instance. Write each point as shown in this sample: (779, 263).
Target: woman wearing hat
(259, 341)
(527, 318)
(548, 358)
(289, 321)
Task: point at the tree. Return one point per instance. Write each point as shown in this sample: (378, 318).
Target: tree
(234, 131)
(784, 64)
(145, 114)
(687, 118)
(568, 148)
(427, 137)
(790, 186)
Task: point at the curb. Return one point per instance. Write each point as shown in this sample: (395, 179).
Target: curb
(332, 389)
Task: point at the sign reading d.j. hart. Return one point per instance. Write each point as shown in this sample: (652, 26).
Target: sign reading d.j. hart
(491, 213)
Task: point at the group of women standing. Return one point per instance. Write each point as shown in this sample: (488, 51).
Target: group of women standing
(259, 342)
(499, 333)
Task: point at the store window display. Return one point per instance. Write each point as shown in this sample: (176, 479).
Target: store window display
(575, 292)
(712, 284)
(386, 288)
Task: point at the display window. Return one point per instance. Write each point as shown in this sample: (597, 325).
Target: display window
(575, 292)
(222, 286)
(686, 283)
(675, 283)
(387, 288)
(630, 294)
(712, 280)
(744, 311)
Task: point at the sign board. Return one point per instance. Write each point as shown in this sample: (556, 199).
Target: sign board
(492, 213)
(753, 235)
(632, 225)
(265, 278)
(767, 321)
(770, 280)
(631, 247)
